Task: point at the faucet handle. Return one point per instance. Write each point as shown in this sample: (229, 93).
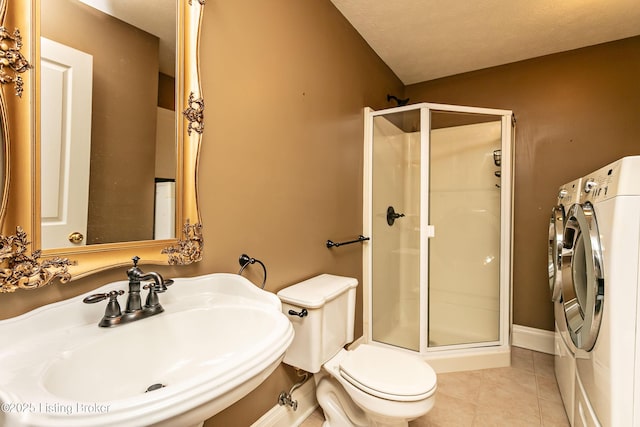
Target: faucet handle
(152, 287)
(92, 299)
(162, 287)
(156, 288)
(113, 307)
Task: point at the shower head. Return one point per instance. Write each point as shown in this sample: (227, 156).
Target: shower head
(400, 102)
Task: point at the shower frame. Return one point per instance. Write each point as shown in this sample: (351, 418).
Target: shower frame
(458, 356)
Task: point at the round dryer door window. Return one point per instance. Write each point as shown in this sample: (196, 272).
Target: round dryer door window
(556, 229)
(582, 276)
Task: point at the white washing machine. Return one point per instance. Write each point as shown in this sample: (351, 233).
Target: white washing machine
(600, 297)
(564, 357)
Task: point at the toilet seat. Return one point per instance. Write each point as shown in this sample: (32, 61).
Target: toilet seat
(388, 374)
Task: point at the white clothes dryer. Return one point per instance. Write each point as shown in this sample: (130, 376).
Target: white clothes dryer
(600, 279)
(564, 357)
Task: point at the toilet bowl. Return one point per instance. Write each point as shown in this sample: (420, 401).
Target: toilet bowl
(390, 387)
(366, 386)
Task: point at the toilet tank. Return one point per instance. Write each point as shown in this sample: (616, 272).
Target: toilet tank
(330, 302)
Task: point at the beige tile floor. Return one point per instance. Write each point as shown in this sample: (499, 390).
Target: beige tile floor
(525, 394)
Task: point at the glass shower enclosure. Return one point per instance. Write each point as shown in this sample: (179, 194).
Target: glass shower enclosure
(437, 206)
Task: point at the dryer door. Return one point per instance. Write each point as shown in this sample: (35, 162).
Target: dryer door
(556, 229)
(582, 276)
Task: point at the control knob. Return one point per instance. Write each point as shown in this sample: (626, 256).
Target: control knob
(589, 185)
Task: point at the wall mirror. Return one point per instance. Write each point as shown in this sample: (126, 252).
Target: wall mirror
(104, 139)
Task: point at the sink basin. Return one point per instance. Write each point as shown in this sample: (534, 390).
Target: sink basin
(219, 337)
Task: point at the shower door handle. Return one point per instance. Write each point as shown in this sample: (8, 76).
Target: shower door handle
(392, 215)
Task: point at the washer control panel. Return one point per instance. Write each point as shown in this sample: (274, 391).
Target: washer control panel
(620, 178)
(569, 193)
(601, 184)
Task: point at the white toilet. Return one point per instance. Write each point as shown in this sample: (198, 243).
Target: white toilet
(367, 386)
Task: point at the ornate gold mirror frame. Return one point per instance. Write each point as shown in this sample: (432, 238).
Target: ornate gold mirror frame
(22, 264)
(8, 74)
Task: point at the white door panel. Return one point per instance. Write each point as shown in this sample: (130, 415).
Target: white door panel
(66, 94)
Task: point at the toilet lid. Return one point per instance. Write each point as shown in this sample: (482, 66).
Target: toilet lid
(389, 374)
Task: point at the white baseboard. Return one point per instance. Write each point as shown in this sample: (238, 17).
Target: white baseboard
(533, 339)
(285, 416)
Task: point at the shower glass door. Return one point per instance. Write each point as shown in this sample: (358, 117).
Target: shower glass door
(437, 206)
(464, 209)
(396, 178)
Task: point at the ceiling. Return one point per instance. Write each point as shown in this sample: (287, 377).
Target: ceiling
(423, 40)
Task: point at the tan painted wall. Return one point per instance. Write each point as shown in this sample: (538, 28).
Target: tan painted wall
(166, 91)
(165, 153)
(576, 111)
(121, 188)
(284, 147)
(284, 83)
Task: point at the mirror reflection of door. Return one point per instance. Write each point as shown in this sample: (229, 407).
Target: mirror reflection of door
(133, 87)
(66, 92)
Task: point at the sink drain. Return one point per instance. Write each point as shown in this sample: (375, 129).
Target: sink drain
(154, 387)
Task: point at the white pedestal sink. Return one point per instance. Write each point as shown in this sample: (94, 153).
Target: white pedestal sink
(219, 337)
